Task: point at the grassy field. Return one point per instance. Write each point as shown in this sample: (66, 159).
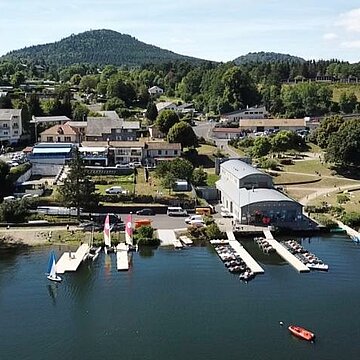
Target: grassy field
(352, 205)
(308, 167)
(340, 88)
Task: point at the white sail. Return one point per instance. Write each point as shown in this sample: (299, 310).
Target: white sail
(53, 268)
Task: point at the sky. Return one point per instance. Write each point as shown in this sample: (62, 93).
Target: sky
(218, 30)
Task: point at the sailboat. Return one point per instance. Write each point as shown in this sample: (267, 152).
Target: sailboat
(51, 273)
(129, 234)
(107, 236)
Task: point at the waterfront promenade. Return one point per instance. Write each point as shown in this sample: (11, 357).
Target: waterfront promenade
(284, 253)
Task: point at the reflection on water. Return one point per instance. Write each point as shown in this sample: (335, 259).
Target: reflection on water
(180, 304)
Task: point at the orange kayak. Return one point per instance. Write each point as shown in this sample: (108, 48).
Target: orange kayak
(301, 332)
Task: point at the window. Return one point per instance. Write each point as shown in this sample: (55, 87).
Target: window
(67, 138)
(15, 126)
(166, 152)
(159, 152)
(175, 152)
(5, 133)
(16, 132)
(5, 125)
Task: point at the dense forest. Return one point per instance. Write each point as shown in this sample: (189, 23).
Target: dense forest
(99, 47)
(287, 86)
(266, 57)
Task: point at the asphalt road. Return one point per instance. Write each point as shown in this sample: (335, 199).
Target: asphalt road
(162, 221)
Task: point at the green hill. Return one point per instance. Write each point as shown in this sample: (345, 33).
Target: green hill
(261, 57)
(100, 47)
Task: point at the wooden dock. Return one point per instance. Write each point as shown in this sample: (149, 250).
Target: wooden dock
(122, 262)
(70, 261)
(245, 256)
(285, 253)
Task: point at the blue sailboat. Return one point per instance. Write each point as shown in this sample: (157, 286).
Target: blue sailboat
(51, 273)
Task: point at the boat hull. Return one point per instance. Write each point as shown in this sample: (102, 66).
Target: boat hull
(301, 333)
(54, 278)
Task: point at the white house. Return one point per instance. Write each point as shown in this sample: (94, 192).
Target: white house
(155, 90)
(249, 113)
(10, 125)
(166, 105)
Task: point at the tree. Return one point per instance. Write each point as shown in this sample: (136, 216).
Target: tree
(347, 102)
(344, 145)
(179, 168)
(261, 147)
(34, 105)
(78, 190)
(4, 172)
(114, 103)
(166, 120)
(5, 102)
(328, 126)
(151, 111)
(286, 140)
(168, 181)
(17, 78)
(182, 133)
(199, 177)
(14, 211)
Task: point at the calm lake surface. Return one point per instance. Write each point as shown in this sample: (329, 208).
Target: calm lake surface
(181, 305)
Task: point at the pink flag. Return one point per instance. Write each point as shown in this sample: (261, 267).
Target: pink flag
(107, 238)
(128, 230)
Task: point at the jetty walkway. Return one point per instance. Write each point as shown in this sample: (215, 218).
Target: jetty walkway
(70, 261)
(122, 262)
(245, 256)
(284, 253)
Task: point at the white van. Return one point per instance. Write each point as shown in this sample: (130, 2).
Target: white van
(176, 211)
(191, 218)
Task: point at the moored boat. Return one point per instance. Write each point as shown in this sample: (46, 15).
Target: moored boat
(51, 273)
(301, 332)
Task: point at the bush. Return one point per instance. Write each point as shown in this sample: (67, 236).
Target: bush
(351, 219)
(342, 198)
(286, 162)
(144, 236)
(265, 163)
(326, 221)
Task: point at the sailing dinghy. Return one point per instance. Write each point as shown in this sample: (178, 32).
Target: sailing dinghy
(51, 273)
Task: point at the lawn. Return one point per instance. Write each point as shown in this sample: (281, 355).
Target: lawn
(308, 167)
(212, 177)
(352, 205)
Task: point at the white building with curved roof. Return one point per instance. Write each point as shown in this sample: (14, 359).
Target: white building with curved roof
(249, 195)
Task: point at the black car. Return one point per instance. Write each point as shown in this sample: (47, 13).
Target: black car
(145, 212)
(117, 227)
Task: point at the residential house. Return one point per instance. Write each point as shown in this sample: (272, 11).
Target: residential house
(157, 151)
(60, 134)
(155, 90)
(249, 113)
(249, 195)
(80, 126)
(227, 133)
(10, 126)
(118, 152)
(166, 105)
(111, 127)
(259, 125)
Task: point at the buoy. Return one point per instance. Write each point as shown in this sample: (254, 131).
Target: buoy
(281, 323)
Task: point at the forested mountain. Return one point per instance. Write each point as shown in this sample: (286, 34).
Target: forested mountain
(99, 47)
(266, 57)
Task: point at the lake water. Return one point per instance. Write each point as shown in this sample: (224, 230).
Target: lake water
(181, 304)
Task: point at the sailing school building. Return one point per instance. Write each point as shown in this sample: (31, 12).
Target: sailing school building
(249, 195)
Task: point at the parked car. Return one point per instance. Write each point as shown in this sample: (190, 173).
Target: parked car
(88, 226)
(135, 164)
(176, 211)
(122, 166)
(12, 163)
(115, 190)
(117, 227)
(100, 218)
(146, 211)
(191, 218)
(197, 223)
